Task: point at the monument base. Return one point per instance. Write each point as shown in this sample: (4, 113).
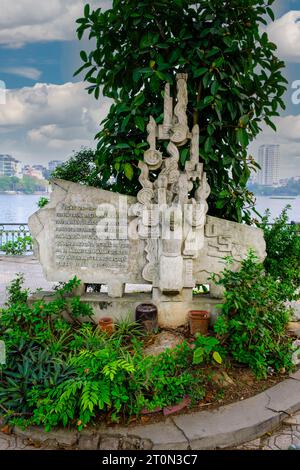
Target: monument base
(171, 313)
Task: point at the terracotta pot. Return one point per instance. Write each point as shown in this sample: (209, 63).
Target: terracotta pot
(107, 324)
(199, 321)
(146, 315)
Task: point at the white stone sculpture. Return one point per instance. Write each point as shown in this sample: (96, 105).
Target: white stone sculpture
(163, 237)
(169, 257)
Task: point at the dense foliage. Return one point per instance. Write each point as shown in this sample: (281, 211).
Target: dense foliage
(80, 168)
(19, 246)
(235, 83)
(253, 319)
(283, 253)
(62, 372)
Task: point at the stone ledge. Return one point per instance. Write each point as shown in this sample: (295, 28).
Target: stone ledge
(230, 425)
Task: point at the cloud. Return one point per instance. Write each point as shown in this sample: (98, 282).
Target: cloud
(27, 21)
(27, 72)
(49, 121)
(288, 137)
(285, 32)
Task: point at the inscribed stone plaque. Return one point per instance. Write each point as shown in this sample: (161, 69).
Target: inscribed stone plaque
(82, 231)
(79, 243)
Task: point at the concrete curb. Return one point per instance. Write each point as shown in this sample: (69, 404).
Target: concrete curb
(228, 426)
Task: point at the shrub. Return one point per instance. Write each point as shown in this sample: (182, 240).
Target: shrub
(253, 318)
(80, 168)
(36, 338)
(283, 252)
(72, 373)
(18, 246)
(42, 202)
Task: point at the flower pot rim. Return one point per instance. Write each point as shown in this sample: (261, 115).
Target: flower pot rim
(198, 312)
(106, 320)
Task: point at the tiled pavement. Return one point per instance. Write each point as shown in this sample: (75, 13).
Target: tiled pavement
(288, 435)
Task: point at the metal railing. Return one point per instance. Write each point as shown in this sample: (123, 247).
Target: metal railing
(15, 238)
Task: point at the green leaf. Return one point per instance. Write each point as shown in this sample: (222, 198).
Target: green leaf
(183, 156)
(139, 122)
(128, 170)
(208, 99)
(214, 50)
(210, 129)
(214, 88)
(122, 146)
(271, 13)
(84, 56)
(217, 357)
(137, 73)
(139, 99)
(125, 122)
(208, 144)
(198, 356)
(270, 123)
(242, 137)
(87, 10)
(244, 120)
(200, 71)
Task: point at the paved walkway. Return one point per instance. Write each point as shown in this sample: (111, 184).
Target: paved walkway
(29, 266)
(288, 435)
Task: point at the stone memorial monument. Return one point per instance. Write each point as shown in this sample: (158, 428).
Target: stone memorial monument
(163, 237)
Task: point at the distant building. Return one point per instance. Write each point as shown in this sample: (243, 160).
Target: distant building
(32, 171)
(268, 159)
(53, 165)
(9, 166)
(41, 169)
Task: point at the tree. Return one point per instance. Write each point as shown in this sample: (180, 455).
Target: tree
(235, 83)
(5, 183)
(80, 168)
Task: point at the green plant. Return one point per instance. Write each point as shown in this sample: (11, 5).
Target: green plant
(253, 319)
(37, 340)
(283, 252)
(235, 83)
(42, 202)
(126, 329)
(59, 372)
(16, 293)
(18, 246)
(80, 168)
(205, 349)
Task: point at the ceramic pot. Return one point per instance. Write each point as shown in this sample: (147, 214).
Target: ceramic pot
(146, 315)
(199, 321)
(107, 324)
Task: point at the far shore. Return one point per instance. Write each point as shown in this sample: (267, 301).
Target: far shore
(14, 193)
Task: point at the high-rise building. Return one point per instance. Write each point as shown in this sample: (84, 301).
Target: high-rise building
(53, 165)
(268, 159)
(9, 166)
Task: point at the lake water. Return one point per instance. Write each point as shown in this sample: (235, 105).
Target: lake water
(16, 208)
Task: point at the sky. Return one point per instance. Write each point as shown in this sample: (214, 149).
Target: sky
(48, 113)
